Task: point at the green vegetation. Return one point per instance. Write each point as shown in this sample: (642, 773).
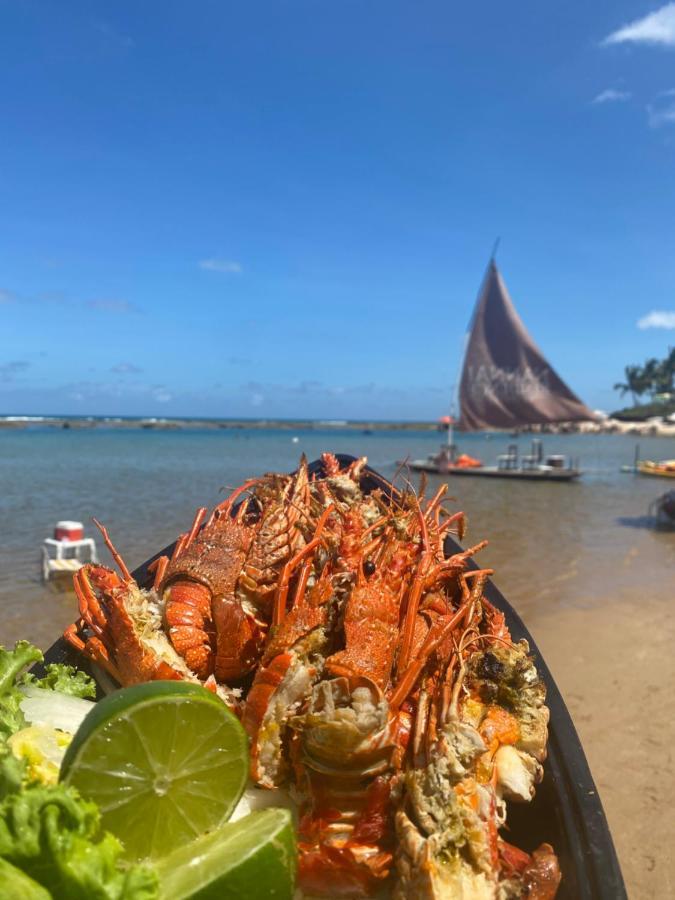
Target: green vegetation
(52, 844)
(656, 379)
(644, 411)
(160, 767)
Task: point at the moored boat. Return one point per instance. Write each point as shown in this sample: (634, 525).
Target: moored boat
(542, 473)
(663, 469)
(663, 510)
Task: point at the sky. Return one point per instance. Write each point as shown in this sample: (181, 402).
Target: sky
(285, 208)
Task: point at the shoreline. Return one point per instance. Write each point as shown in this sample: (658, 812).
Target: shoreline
(650, 428)
(177, 423)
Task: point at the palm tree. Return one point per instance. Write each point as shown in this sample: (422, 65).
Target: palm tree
(669, 367)
(634, 384)
(663, 381)
(652, 374)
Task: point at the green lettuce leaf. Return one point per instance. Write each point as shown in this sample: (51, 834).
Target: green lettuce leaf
(64, 679)
(12, 772)
(12, 664)
(54, 837)
(51, 843)
(59, 677)
(14, 884)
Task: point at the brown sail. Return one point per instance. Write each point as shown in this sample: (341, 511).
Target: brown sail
(506, 381)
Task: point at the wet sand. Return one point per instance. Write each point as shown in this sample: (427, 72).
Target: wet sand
(615, 667)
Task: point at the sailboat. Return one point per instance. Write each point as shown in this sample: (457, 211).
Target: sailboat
(507, 384)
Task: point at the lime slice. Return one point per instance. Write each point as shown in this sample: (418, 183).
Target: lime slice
(252, 858)
(165, 762)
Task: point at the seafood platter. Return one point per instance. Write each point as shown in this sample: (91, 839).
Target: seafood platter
(389, 692)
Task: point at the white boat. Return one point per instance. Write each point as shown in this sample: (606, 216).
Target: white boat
(67, 551)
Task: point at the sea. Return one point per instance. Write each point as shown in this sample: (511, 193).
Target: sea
(551, 545)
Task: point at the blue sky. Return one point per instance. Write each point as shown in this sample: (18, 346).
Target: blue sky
(285, 208)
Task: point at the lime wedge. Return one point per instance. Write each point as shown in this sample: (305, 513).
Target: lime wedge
(165, 762)
(252, 858)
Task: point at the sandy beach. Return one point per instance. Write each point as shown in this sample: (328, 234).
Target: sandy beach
(615, 667)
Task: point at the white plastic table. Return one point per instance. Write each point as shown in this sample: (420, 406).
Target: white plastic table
(62, 557)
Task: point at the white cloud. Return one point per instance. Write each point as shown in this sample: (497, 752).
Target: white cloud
(160, 393)
(612, 96)
(230, 266)
(656, 28)
(661, 111)
(657, 319)
(9, 371)
(126, 369)
(95, 391)
(7, 296)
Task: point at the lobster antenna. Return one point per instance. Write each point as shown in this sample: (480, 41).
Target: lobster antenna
(113, 552)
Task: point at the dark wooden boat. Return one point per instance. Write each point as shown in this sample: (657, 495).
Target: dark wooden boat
(566, 811)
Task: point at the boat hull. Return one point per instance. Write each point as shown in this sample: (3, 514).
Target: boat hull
(656, 469)
(423, 465)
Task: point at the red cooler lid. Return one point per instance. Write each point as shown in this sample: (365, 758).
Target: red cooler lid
(69, 531)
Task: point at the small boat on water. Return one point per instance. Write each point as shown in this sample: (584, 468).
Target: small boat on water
(506, 384)
(532, 466)
(663, 510)
(663, 469)
(67, 551)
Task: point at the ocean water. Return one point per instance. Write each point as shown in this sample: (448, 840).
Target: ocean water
(551, 545)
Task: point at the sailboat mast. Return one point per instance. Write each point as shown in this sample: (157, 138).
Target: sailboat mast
(451, 423)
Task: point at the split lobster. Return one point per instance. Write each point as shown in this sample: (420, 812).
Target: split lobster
(207, 611)
(371, 673)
